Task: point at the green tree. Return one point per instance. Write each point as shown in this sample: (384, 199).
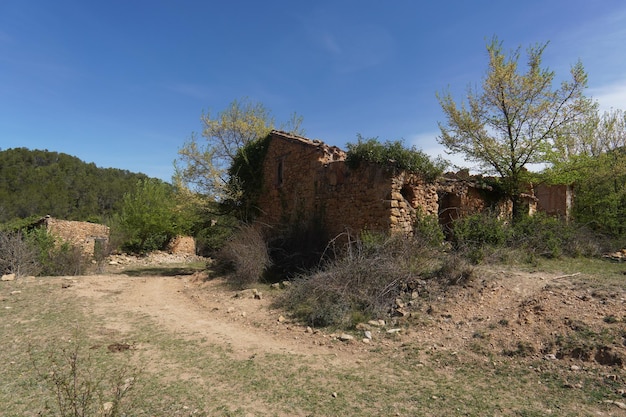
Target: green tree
(516, 118)
(594, 160)
(148, 218)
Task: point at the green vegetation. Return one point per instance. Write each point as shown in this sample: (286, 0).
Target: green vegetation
(485, 237)
(394, 155)
(246, 179)
(36, 183)
(148, 218)
(204, 164)
(594, 160)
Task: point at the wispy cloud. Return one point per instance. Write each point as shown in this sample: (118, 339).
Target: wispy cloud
(349, 45)
(611, 96)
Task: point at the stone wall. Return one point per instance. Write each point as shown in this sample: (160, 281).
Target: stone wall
(308, 182)
(182, 245)
(82, 234)
(554, 200)
(462, 197)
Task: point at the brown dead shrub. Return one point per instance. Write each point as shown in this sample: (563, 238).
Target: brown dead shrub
(246, 256)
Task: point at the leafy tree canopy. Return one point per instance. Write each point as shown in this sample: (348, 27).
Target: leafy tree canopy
(516, 118)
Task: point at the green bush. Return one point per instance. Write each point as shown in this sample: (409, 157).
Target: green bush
(483, 236)
(394, 155)
(55, 258)
(427, 228)
(478, 231)
(148, 217)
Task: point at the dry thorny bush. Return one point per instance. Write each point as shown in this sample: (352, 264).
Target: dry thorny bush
(366, 278)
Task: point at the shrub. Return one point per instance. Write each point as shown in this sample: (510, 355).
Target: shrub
(55, 258)
(247, 255)
(17, 256)
(455, 271)
(395, 155)
(362, 283)
(148, 217)
(428, 229)
(483, 236)
(474, 235)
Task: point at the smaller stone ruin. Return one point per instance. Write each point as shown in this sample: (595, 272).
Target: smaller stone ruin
(82, 234)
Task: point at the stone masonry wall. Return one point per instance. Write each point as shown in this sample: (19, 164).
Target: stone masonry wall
(82, 234)
(182, 245)
(308, 181)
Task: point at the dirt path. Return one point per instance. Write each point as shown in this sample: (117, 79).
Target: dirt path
(202, 310)
(503, 309)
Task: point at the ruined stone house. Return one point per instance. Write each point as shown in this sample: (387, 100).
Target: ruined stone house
(308, 182)
(85, 235)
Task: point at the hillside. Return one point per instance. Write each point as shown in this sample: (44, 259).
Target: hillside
(37, 183)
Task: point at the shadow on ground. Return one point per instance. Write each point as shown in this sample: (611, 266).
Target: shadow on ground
(164, 271)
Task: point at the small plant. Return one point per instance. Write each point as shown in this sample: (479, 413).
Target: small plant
(455, 271)
(427, 227)
(80, 385)
(523, 349)
(478, 231)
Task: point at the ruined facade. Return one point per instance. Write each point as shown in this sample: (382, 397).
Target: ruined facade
(82, 234)
(555, 200)
(308, 182)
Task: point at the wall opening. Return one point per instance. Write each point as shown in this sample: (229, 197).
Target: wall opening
(408, 193)
(280, 173)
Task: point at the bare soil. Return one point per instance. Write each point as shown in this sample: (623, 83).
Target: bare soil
(507, 311)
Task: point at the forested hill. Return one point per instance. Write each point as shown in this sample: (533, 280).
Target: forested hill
(37, 183)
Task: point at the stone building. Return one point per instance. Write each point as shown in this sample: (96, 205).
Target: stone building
(307, 182)
(82, 234)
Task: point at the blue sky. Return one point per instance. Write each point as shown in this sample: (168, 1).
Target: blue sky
(123, 83)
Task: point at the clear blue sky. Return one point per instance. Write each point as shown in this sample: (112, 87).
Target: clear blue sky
(122, 83)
